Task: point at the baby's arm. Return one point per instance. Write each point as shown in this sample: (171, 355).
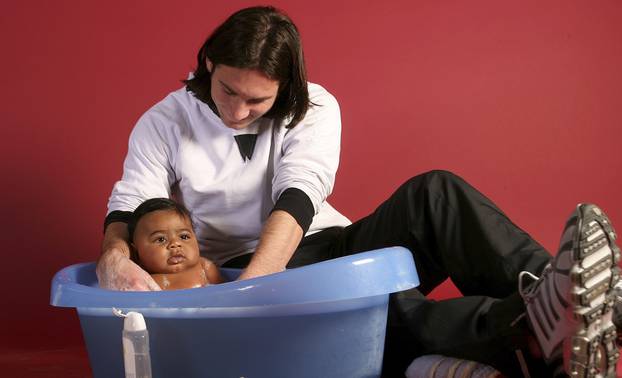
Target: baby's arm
(212, 273)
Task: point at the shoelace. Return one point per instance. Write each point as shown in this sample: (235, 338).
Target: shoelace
(525, 291)
(523, 364)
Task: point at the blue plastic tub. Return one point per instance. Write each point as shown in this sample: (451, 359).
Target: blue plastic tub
(323, 320)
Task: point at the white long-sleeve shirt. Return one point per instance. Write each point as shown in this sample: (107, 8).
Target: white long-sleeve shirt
(181, 148)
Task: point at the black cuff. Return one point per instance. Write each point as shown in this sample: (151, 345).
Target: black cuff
(117, 216)
(297, 204)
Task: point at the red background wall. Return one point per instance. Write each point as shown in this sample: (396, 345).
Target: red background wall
(522, 98)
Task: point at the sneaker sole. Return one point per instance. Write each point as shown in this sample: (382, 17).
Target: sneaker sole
(593, 350)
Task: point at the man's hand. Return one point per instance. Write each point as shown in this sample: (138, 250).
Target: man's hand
(279, 238)
(116, 271)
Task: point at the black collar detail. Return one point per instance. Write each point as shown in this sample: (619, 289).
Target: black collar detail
(246, 144)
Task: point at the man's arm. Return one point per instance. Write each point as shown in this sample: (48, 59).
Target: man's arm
(303, 178)
(279, 239)
(147, 173)
(114, 269)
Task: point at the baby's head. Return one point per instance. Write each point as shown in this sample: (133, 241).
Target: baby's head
(162, 237)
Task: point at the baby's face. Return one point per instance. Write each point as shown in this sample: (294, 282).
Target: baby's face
(165, 242)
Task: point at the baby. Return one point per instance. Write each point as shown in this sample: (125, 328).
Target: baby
(164, 244)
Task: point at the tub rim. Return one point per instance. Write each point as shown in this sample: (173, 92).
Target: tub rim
(365, 274)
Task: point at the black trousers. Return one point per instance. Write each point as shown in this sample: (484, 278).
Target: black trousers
(454, 232)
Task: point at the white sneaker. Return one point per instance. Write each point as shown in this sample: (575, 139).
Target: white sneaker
(617, 312)
(570, 306)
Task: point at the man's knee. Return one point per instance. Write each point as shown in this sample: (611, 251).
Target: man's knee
(436, 177)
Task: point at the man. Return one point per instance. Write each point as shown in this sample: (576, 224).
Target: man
(252, 150)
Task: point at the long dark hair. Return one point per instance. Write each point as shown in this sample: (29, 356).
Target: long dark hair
(262, 38)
